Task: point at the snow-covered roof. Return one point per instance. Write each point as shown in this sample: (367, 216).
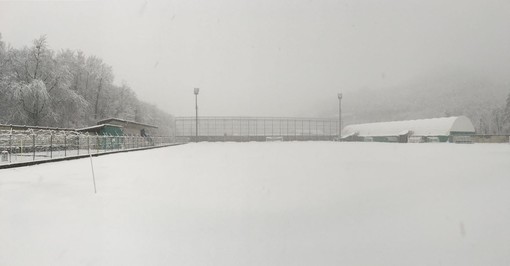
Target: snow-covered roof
(423, 127)
(126, 122)
(98, 126)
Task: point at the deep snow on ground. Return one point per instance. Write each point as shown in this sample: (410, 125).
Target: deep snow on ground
(296, 203)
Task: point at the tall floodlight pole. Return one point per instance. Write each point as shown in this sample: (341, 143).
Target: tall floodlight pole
(339, 116)
(196, 113)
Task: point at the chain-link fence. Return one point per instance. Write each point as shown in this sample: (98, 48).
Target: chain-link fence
(255, 128)
(29, 145)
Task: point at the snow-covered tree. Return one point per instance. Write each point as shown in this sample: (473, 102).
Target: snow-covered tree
(34, 101)
(506, 116)
(39, 86)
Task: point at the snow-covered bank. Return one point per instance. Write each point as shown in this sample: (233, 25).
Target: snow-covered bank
(302, 203)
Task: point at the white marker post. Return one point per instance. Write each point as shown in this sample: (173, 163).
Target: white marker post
(93, 176)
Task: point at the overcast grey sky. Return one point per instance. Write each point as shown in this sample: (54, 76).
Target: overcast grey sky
(268, 57)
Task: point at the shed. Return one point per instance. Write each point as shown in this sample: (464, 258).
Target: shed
(444, 128)
(130, 127)
(104, 129)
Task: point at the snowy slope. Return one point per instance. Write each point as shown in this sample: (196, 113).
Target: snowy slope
(307, 203)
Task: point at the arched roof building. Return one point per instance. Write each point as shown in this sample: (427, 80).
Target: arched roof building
(443, 128)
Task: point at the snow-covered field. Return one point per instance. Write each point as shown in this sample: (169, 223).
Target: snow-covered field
(297, 203)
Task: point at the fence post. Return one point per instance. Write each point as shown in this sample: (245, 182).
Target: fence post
(10, 146)
(280, 122)
(309, 130)
(65, 145)
(78, 136)
(287, 130)
(323, 129)
(264, 128)
(330, 135)
(224, 129)
(272, 127)
(51, 144)
(215, 131)
(302, 128)
(33, 147)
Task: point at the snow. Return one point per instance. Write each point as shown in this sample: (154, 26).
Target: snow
(421, 127)
(277, 203)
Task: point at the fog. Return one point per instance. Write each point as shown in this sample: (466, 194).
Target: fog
(265, 57)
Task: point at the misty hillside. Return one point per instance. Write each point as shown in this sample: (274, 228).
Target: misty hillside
(434, 96)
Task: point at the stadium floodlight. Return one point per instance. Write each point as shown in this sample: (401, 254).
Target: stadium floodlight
(196, 113)
(339, 116)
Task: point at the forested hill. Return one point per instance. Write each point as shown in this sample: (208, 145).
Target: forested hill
(449, 94)
(40, 86)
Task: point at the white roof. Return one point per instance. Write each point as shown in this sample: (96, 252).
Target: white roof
(423, 127)
(97, 126)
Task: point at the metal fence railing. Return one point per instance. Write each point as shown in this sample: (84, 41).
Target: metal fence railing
(256, 128)
(30, 145)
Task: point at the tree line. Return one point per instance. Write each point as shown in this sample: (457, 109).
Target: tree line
(67, 89)
(485, 101)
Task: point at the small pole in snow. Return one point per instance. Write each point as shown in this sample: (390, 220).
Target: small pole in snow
(93, 176)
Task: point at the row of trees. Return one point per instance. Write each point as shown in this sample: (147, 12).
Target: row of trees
(496, 120)
(42, 87)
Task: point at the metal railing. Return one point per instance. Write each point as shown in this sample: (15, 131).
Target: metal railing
(30, 145)
(256, 128)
